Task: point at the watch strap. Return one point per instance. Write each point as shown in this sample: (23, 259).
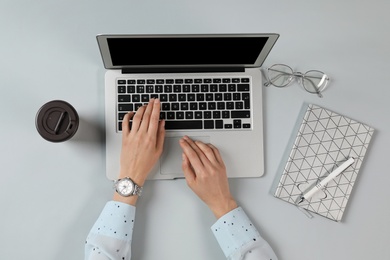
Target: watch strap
(137, 189)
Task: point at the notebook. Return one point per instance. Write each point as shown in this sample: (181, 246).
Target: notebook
(210, 88)
(324, 140)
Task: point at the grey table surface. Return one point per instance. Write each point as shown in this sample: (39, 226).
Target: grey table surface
(51, 194)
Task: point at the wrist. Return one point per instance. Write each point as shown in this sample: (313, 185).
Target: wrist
(223, 208)
(127, 190)
(136, 177)
(132, 200)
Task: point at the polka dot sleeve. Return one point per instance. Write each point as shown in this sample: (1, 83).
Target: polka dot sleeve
(110, 236)
(239, 239)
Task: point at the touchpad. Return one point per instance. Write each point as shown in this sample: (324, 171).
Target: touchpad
(171, 158)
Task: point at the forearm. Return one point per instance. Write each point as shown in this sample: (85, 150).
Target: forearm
(111, 235)
(239, 238)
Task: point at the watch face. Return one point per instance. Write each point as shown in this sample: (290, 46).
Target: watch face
(125, 187)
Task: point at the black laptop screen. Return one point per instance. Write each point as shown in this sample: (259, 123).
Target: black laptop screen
(185, 51)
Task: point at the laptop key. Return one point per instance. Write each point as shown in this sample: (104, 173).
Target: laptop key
(245, 97)
(187, 124)
(207, 114)
(123, 98)
(198, 115)
(179, 115)
(186, 88)
(208, 124)
(135, 98)
(176, 88)
(130, 89)
(218, 124)
(121, 89)
(239, 105)
(127, 107)
(163, 97)
(242, 87)
(171, 115)
(149, 88)
(159, 88)
(173, 97)
(232, 87)
(225, 114)
(200, 97)
(193, 106)
(189, 115)
(121, 116)
(145, 98)
(237, 123)
(166, 106)
(241, 114)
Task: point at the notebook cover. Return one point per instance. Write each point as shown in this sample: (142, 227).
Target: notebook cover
(324, 140)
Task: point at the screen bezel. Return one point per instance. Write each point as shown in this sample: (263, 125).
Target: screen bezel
(107, 61)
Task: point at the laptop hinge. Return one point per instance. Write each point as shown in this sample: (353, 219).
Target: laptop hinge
(182, 70)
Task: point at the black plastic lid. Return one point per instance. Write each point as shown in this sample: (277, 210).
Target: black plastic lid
(57, 121)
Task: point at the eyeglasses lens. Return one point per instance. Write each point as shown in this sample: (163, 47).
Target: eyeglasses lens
(280, 75)
(315, 81)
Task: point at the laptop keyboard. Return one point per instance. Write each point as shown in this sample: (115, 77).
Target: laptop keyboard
(190, 103)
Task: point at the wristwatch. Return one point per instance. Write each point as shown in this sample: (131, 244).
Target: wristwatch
(127, 187)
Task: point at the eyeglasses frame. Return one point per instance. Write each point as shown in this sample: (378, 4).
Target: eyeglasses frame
(297, 75)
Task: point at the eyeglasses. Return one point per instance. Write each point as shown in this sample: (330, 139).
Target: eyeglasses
(313, 81)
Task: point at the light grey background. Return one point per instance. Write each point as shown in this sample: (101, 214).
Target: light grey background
(51, 194)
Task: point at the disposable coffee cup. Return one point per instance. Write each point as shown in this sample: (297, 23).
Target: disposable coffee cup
(57, 121)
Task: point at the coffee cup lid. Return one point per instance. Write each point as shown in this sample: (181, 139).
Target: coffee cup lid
(57, 121)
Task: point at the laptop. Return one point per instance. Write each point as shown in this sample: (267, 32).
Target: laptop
(210, 88)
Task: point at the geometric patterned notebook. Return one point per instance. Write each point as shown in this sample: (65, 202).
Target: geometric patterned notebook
(324, 141)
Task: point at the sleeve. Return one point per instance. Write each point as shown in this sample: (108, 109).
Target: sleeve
(110, 236)
(239, 239)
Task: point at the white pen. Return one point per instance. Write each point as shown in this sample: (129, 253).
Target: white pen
(328, 178)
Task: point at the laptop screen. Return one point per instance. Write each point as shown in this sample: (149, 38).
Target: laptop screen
(183, 50)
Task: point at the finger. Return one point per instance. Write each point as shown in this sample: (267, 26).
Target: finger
(216, 153)
(161, 135)
(189, 173)
(146, 116)
(137, 119)
(154, 118)
(191, 154)
(126, 123)
(207, 151)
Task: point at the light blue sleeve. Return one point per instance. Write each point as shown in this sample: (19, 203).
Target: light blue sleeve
(239, 239)
(110, 236)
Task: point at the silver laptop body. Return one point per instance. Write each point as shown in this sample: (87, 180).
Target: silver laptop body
(191, 69)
